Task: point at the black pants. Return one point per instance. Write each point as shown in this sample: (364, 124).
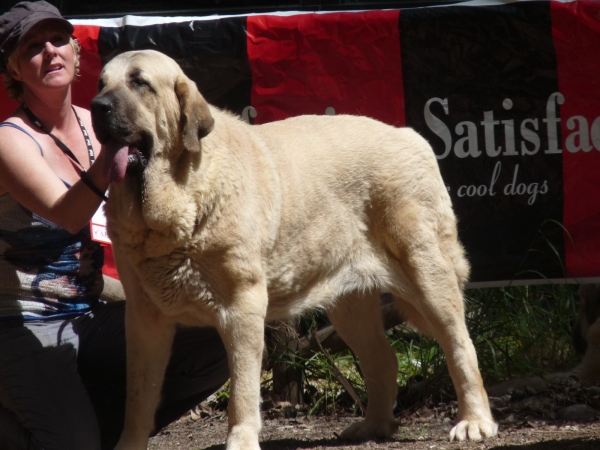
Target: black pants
(62, 382)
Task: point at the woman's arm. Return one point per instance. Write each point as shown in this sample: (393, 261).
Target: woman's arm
(26, 175)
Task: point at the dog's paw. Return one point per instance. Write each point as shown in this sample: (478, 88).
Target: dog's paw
(242, 438)
(474, 430)
(364, 431)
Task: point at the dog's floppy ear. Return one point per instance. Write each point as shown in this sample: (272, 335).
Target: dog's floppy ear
(196, 120)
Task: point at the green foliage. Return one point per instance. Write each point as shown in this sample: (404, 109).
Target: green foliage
(328, 395)
(523, 329)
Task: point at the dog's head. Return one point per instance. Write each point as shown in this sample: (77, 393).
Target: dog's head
(146, 107)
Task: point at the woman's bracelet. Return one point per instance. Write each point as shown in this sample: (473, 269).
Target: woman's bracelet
(85, 178)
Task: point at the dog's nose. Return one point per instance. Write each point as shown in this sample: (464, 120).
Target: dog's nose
(101, 106)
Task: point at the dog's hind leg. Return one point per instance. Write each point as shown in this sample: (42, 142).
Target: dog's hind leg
(358, 320)
(431, 259)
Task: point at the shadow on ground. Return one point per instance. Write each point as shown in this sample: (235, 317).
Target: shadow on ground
(555, 444)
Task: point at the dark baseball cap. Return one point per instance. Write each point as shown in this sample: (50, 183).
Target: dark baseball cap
(15, 23)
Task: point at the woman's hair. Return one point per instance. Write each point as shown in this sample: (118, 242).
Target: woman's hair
(14, 88)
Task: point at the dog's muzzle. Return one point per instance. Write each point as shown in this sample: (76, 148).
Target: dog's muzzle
(123, 148)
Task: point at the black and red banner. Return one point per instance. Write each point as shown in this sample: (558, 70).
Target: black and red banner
(508, 95)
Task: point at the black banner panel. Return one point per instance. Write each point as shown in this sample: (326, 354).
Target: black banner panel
(211, 52)
(481, 86)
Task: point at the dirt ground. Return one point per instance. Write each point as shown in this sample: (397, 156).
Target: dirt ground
(319, 434)
(533, 413)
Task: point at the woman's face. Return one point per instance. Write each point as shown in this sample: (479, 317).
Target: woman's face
(45, 58)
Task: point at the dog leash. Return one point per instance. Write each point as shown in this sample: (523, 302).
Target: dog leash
(67, 151)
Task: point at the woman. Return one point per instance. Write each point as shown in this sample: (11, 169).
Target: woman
(62, 351)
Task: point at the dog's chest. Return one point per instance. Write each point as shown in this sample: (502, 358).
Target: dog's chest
(176, 283)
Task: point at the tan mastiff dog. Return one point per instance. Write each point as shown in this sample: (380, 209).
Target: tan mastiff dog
(217, 222)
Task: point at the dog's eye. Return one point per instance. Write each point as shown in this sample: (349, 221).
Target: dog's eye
(141, 83)
(100, 84)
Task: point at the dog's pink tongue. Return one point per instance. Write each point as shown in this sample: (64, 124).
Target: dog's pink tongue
(115, 161)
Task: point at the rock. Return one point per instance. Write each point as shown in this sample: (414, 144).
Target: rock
(530, 385)
(577, 412)
(537, 404)
(499, 402)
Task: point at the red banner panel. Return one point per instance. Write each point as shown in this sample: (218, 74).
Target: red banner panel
(90, 66)
(331, 63)
(576, 33)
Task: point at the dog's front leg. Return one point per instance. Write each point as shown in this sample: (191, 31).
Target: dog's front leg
(241, 325)
(149, 337)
